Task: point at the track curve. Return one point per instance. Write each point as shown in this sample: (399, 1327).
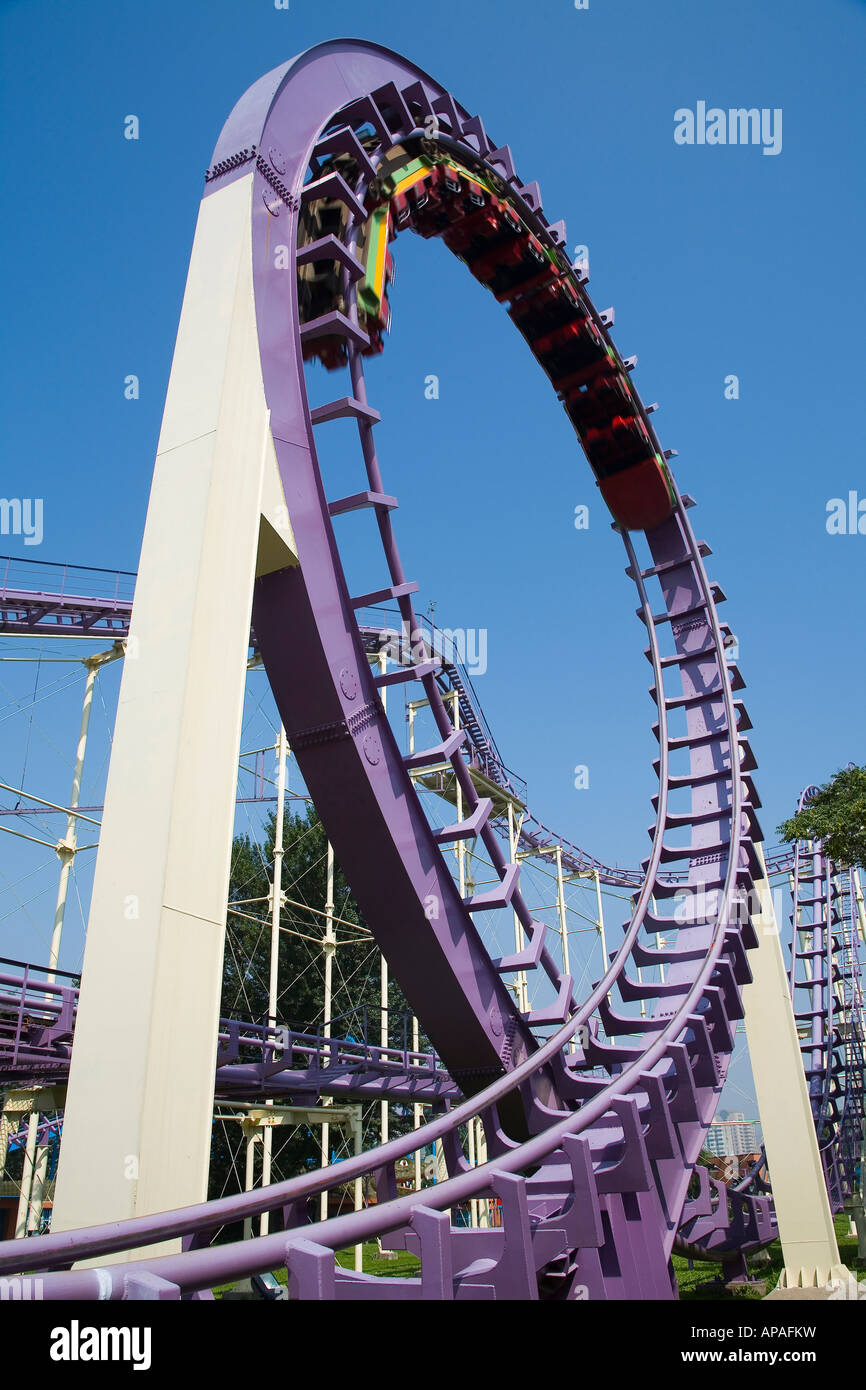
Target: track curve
(591, 1135)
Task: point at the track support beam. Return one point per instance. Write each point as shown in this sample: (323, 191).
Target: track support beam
(146, 1032)
(806, 1227)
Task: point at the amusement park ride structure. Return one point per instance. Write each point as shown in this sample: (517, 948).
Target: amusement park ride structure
(581, 1114)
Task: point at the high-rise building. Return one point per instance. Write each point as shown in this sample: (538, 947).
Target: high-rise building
(731, 1133)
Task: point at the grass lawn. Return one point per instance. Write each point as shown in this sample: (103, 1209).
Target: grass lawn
(694, 1282)
(399, 1265)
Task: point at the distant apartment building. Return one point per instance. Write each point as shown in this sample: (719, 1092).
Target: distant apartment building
(731, 1133)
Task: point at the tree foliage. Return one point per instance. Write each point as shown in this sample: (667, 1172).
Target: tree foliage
(836, 815)
(304, 883)
(355, 1007)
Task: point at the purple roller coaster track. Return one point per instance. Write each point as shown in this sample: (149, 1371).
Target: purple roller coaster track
(593, 1132)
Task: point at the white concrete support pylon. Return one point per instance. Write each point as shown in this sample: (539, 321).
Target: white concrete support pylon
(67, 847)
(273, 977)
(384, 1016)
(562, 912)
(384, 1020)
(861, 910)
(250, 1177)
(599, 907)
(481, 1159)
(357, 1125)
(470, 1144)
(417, 1112)
(329, 946)
(145, 1037)
(806, 1230)
(37, 1191)
(520, 984)
(6, 1135)
(27, 1173)
(281, 750)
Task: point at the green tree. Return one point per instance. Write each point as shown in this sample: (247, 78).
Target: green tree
(837, 816)
(301, 973)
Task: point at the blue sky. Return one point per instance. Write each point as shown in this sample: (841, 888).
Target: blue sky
(719, 261)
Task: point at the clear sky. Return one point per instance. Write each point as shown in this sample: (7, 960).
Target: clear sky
(720, 260)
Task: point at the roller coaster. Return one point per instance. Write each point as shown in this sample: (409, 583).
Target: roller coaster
(593, 1108)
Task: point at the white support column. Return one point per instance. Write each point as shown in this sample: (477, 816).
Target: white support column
(329, 945)
(145, 1035)
(441, 1168)
(481, 1157)
(27, 1176)
(473, 1160)
(251, 1139)
(459, 845)
(600, 924)
(837, 986)
(68, 846)
(273, 977)
(5, 1136)
(805, 1221)
(861, 911)
(562, 913)
(661, 941)
(37, 1191)
(599, 903)
(411, 712)
(384, 1125)
(277, 887)
(520, 985)
(417, 1111)
(357, 1124)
